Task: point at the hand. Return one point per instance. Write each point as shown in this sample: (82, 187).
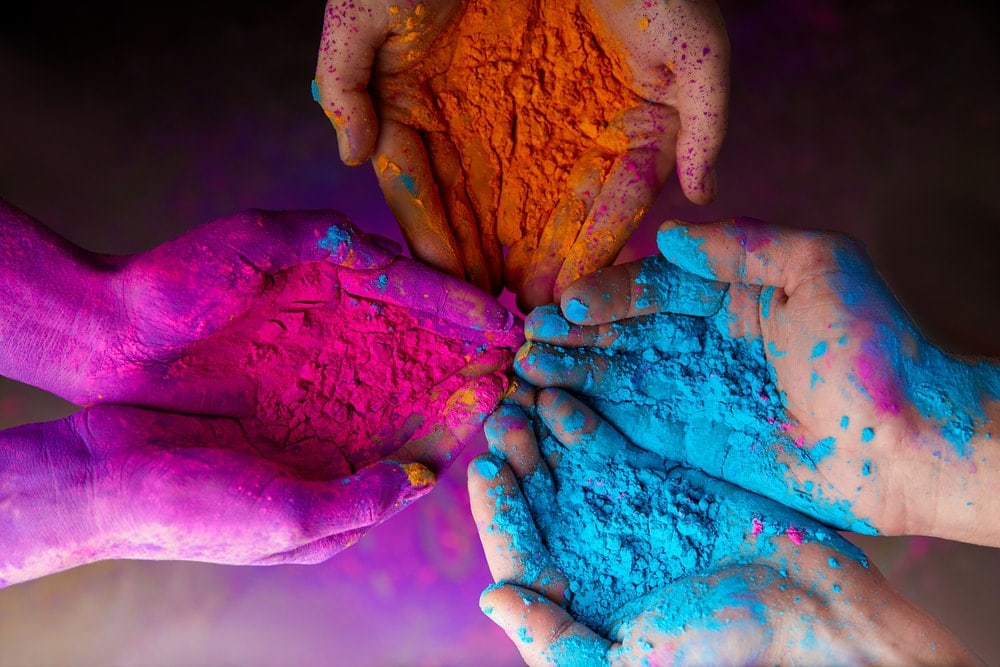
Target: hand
(694, 576)
(816, 388)
(321, 353)
(556, 152)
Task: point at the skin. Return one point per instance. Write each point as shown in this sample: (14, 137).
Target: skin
(779, 608)
(681, 121)
(848, 361)
(172, 458)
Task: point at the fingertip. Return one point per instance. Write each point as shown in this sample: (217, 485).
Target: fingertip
(546, 323)
(700, 184)
(684, 249)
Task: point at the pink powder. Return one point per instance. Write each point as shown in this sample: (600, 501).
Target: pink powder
(756, 526)
(879, 386)
(794, 534)
(343, 381)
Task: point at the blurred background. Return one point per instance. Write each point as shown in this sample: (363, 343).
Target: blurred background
(124, 124)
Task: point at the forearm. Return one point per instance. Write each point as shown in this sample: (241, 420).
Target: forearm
(46, 522)
(54, 304)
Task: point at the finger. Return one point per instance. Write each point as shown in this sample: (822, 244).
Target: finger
(535, 281)
(662, 332)
(315, 552)
(577, 426)
(744, 250)
(351, 34)
(581, 370)
(481, 254)
(513, 547)
(452, 418)
(366, 498)
(410, 284)
(702, 76)
(512, 439)
(631, 187)
(404, 174)
(543, 632)
(638, 288)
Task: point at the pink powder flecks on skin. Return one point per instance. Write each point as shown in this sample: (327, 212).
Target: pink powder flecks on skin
(880, 388)
(343, 381)
(756, 526)
(794, 534)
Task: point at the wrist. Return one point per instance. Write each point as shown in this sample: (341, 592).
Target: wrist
(49, 523)
(958, 449)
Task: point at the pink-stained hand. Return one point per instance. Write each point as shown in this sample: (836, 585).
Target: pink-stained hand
(273, 364)
(545, 127)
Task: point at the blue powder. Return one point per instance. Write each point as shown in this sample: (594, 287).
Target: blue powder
(522, 634)
(621, 522)
(774, 351)
(867, 434)
(819, 350)
(945, 390)
(667, 287)
(845, 421)
(408, 183)
(866, 469)
(576, 310)
(382, 281)
(686, 389)
(315, 91)
(766, 296)
(545, 322)
(833, 562)
(335, 239)
(681, 249)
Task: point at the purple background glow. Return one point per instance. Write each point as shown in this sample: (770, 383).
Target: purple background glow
(123, 124)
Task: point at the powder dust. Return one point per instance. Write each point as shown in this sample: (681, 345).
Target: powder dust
(522, 91)
(340, 381)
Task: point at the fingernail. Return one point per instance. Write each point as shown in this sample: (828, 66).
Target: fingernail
(680, 248)
(576, 310)
(546, 322)
(486, 467)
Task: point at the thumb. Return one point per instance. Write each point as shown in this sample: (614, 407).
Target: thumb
(750, 252)
(351, 34)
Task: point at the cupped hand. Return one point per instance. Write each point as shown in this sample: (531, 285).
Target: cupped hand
(680, 568)
(814, 383)
(545, 127)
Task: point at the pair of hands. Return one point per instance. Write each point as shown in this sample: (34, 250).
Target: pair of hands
(224, 373)
(483, 136)
(771, 587)
(800, 323)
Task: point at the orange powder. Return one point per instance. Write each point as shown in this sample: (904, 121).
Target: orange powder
(523, 91)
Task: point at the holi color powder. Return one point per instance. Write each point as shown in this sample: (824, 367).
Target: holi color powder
(520, 95)
(621, 522)
(341, 381)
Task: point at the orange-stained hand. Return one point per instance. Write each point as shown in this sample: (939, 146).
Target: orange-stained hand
(542, 125)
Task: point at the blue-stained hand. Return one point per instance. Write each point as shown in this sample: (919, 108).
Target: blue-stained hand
(798, 376)
(605, 553)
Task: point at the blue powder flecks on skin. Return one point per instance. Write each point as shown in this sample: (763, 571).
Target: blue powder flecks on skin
(621, 523)
(681, 249)
(315, 91)
(867, 434)
(774, 351)
(576, 310)
(845, 421)
(766, 296)
(819, 350)
(408, 183)
(522, 634)
(866, 469)
(813, 379)
(822, 449)
(664, 285)
(334, 239)
(382, 281)
(945, 390)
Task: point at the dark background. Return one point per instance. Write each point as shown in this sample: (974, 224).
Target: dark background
(123, 124)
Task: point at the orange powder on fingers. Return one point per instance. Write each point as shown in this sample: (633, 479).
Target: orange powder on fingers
(526, 94)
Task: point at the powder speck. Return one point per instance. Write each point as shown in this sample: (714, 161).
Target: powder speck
(819, 350)
(867, 434)
(576, 311)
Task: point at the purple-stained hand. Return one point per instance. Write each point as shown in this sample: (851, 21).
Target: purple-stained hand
(270, 362)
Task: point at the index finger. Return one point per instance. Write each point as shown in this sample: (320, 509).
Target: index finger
(351, 34)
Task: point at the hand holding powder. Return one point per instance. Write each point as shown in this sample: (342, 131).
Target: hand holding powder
(808, 383)
(605, 553)
(547, 127)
